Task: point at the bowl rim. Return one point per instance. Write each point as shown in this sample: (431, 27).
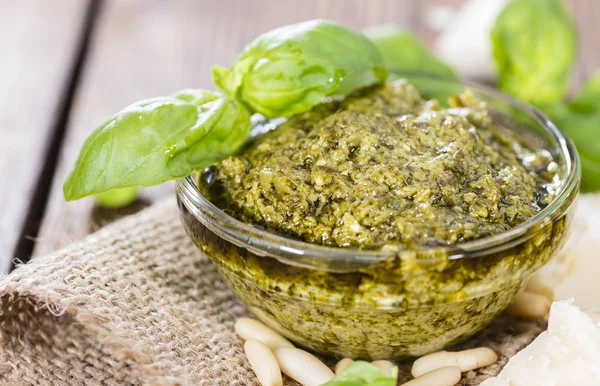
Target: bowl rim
(265, 243)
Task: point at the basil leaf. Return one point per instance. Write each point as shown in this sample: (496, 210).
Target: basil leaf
(403, 54)
(535, 45)
(117, 198)
(584, 140)
(361, 373)
(588, 98)
(157, 140)
(225, 128)
(580, 121)
(590, 172)
(584, 131)
(402, 51)
(291, 69)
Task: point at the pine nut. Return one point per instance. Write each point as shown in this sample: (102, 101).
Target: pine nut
(538, 286)
(302, 366)
(444, 376)
(385, 366)
(248, 328)
(530, 305)
(465, 360)
(263, 363)
(342, 364)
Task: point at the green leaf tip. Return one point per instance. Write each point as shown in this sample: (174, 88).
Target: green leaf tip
(117, 198)
(362, 373)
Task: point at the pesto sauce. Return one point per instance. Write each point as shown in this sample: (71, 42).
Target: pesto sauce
(385, 169)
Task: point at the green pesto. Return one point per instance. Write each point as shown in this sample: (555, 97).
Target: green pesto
(410, 174)
(406, 306)
(385, 169)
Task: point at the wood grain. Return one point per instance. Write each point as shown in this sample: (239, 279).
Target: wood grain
(587, 14)
(38, 43)
(149, 48)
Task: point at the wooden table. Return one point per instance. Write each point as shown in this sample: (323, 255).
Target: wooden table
(67, 65)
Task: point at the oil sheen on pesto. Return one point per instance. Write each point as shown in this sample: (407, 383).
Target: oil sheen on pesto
(385, 169)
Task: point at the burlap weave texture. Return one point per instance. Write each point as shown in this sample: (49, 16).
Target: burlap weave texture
(137, 303)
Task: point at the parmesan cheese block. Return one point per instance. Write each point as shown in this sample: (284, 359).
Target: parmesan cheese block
(567, 354)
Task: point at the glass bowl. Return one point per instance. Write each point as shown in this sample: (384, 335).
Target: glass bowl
(388, 305)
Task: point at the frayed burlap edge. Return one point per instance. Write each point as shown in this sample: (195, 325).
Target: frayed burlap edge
(44, 319)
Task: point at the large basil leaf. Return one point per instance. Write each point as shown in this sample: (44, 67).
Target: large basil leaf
(361, 373)
(157, 140)
(535, 45)
(402, 51)
(291, 69)
(580, 121)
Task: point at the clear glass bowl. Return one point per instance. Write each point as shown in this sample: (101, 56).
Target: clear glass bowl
(375, 304)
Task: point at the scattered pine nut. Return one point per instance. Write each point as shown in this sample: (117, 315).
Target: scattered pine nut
(302, 366)
(530, 305)
(385, 366)
(342, 364)
(263, 363)
(537, 286)
(248, 328)
(465, 360)
(444, 376)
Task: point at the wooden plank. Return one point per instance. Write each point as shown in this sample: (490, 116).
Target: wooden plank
(586, 13)
(144, 49)
(424, 11)
(38, 44)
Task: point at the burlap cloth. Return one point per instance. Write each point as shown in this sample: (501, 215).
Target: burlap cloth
(137, 303)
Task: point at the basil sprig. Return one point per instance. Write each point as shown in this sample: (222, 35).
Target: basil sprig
(283, 72)
(157, 140)
(290, 69)
(361, 373)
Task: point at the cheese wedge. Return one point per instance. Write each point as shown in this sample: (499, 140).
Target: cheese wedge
(567, 354)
